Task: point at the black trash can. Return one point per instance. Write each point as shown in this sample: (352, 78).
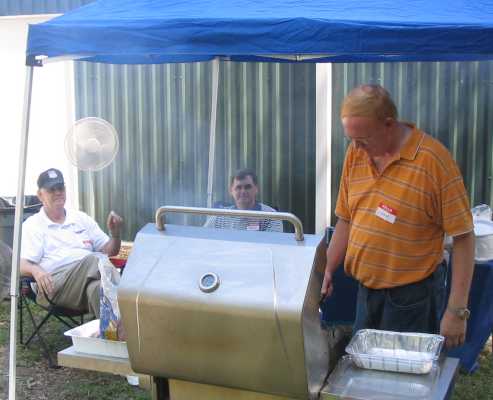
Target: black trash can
(7, 215)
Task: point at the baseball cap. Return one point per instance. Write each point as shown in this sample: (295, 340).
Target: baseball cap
(50, 178)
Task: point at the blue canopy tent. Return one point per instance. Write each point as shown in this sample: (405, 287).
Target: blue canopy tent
(147, 31)
(151, 31)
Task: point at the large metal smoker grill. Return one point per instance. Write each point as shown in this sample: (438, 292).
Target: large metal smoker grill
(234, 309)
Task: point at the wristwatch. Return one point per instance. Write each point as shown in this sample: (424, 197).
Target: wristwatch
(460, 312)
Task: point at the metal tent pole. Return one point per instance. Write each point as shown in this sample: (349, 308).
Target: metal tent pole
(19, 211)
(212, 130)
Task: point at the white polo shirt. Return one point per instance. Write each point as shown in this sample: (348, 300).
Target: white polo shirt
(53, 245)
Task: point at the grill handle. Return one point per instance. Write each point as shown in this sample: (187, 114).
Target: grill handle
(298, 226)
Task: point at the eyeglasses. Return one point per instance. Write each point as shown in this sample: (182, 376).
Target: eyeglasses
(360, 141)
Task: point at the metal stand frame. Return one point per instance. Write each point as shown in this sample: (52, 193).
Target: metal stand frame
(212, 130)
(19, 211)
(51, 311)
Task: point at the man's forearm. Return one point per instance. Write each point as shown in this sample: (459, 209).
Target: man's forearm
(28, 268)
(337, 246)
(335, 254)
(462, 270)
(42, 278)
(112, 247)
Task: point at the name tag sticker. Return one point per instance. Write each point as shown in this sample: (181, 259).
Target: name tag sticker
(386, 212)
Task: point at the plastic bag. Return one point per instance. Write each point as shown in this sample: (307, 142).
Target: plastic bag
(110, 326)
(482, 211)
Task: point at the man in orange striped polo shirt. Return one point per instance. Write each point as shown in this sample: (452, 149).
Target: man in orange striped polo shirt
(400, 192)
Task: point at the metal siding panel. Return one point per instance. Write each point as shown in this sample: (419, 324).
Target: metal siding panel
(30, 7)
(448, 100)
(266, 121)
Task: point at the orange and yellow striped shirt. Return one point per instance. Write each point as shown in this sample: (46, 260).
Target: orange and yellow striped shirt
(420, 195)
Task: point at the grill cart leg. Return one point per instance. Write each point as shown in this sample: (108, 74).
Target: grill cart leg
(159, 389)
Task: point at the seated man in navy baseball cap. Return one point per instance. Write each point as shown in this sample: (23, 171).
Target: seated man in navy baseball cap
(59, 245)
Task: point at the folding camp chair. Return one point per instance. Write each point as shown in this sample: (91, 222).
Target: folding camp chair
(27, 300)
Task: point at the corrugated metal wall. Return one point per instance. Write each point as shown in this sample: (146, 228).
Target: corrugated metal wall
(266, 121)
(450, 100)
(28, 7)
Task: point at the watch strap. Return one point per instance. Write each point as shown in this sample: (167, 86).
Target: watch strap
(461, 312)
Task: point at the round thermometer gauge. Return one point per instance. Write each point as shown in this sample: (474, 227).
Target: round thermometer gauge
(209, 282)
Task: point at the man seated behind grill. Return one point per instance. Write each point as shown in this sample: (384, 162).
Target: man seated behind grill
(243, 189)
(58, 247)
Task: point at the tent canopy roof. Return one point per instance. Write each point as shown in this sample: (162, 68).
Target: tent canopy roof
(153, 31)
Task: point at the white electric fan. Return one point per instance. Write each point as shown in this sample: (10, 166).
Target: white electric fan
(91, 144)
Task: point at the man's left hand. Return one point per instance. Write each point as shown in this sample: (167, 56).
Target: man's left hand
(454, 330)
(114, 224)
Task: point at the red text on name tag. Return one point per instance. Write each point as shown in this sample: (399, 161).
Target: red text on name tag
(386, 213)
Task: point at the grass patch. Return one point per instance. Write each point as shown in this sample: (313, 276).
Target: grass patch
(103, 388)
(477, 386)
(4, 323)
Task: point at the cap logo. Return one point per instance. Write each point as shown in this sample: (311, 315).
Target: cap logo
(52, 174)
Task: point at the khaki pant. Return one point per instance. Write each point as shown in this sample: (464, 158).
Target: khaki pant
(76, 286)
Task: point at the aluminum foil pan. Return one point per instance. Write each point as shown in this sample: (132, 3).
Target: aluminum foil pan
(413, 353)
